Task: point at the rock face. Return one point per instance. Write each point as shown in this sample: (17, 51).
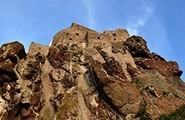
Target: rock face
(86, 75)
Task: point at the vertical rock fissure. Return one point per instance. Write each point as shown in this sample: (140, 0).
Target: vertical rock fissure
(82, 86)
(102, 94)
(48, 109)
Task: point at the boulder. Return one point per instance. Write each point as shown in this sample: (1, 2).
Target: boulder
(12, 51)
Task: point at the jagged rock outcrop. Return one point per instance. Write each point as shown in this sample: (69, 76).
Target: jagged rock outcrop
(88, 75)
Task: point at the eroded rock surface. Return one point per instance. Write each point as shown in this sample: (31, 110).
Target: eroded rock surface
(86, 75)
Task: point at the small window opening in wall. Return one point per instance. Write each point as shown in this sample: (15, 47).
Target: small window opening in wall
(77, 34)
(137, 40)
(39, 48)
(114, 34)
(114, 38)
(70, 39)
(98, 37)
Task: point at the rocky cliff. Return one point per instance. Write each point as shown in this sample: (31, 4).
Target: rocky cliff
(86, 75)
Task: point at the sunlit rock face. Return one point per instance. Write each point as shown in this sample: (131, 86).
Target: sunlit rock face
(86, 75)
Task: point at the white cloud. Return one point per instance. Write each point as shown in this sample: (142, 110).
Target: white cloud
(90, 11)
(139, 20)
(132, 31)
(154, 31)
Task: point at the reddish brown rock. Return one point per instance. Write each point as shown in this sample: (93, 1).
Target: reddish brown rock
(137, 47)
(9, 55)
(88, 75)
(28, 114)
(132, 71)
(113, 68)
(166, 69)
(57, 56)
(12, 51)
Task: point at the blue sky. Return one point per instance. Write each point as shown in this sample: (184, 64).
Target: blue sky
(160, 22)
